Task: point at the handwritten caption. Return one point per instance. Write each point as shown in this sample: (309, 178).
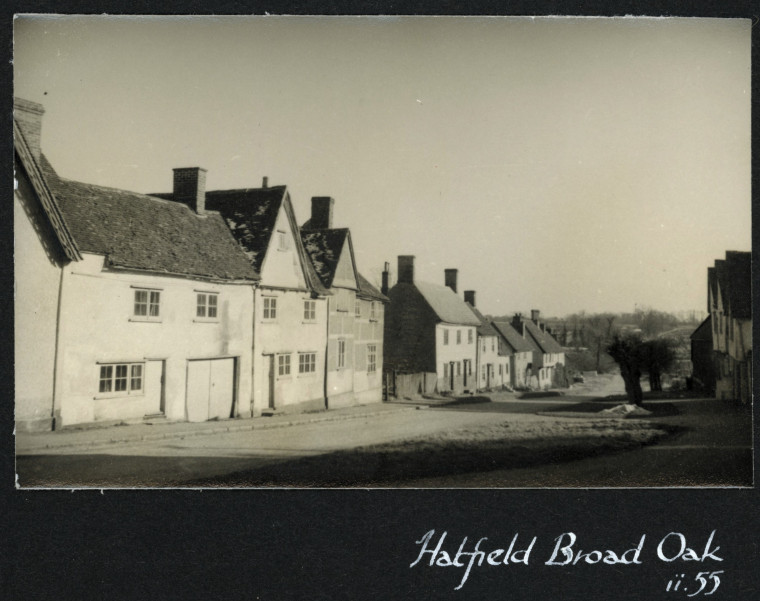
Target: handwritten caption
(671, 548)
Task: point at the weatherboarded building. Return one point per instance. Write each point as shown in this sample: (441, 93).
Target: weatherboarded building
(430, 333)
(127, 306)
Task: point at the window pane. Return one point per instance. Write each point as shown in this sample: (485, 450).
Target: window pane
(154, 301)
(136, 380)
(120, 381)
(212, 304)
(200, 310)
(141, 302)
(106, 373)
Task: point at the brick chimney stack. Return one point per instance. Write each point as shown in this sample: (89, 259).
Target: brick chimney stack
(406, 269)
(321, 212)
(28, 115)
(190, 188)
(534, 315)
(451, 278)
(517, 324)
(265, 182)
(386, 275)
(469, 297)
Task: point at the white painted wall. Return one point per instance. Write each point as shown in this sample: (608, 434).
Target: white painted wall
(368, 387)
(97, 325)
(446, 353)
(37, 279)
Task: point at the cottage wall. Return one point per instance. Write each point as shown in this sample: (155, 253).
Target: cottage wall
(456, 353)
(289, 334)
(410, 332)
(368, 332)
(38, 261)
(489, 361)
(99, 327)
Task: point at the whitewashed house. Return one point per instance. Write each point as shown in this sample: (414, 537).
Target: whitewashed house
(492, 366)
(127, 306)
(290, 313)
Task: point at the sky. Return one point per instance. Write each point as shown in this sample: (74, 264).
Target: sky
(559, 164)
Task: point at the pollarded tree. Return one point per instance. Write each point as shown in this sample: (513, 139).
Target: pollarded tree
(627, 351)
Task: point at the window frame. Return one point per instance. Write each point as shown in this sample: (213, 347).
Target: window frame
(282, 241)
(149, 303)
(309, 310)
(284, 365)
(133, 370)
(341, 353)
(308, 360)
(371, 358)
(269, 313)
(206, 305)
(445, 336)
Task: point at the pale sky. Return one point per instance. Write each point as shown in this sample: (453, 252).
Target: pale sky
(559, 164)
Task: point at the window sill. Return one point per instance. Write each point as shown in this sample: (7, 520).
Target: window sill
(146, 319)
(118, 395)
(307, 321)
(206, 320)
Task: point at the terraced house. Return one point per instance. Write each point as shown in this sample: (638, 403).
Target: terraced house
(430, 334)
(356, 311)
(729, 302)
(289, 310)
(127, 306)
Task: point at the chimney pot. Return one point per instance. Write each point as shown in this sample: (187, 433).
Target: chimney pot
(469, 297)
(386, 275)
(451, 278)
(28, 115)
(190, 188)
(406, 269)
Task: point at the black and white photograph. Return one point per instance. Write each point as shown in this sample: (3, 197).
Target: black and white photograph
(383, 252)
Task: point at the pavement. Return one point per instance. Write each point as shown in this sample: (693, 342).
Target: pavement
(96, 437)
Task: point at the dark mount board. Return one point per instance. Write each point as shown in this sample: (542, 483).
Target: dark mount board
(350, 544)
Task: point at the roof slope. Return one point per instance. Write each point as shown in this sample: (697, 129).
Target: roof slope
(50, 206)
(136, 231)
(544, 341)
(367, 290)
(703, 331)
(446, 304)
(324, 248)
(512, 337)
(485, 328)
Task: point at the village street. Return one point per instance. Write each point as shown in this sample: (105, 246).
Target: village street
(712, 447)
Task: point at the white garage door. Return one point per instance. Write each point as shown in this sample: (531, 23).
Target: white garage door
(210, 389)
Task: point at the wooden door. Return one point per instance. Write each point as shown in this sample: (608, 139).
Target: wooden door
(221, 388)
(198, 375)
(267, 384)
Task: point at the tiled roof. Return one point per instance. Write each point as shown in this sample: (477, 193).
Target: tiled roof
(545, 342)
(136, 231)
(485, 328)
(49, 204)
(367, 290)
(251, 216)
(324, 248)
(446, 304)
(512, 337)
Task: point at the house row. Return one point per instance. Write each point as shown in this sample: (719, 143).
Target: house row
(190, 305)
(437, 342)
(721, 347)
